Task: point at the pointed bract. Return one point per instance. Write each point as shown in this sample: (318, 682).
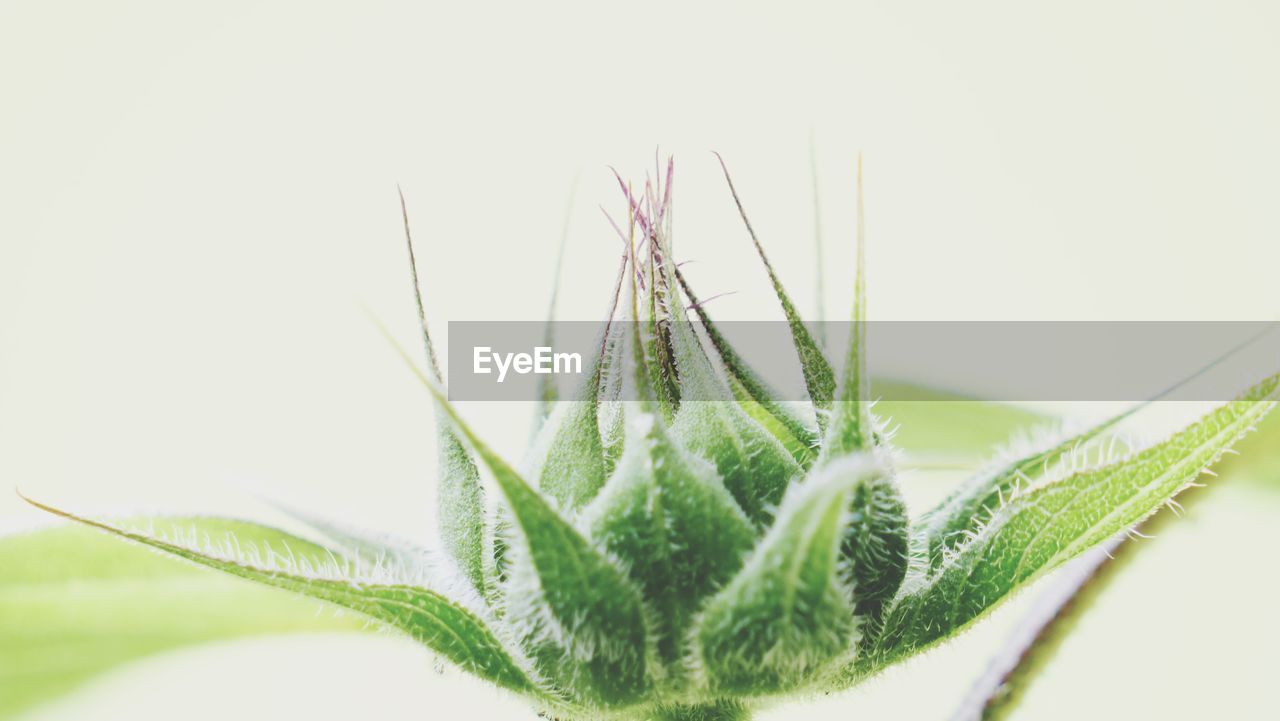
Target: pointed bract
(818, 376)
(568, 460)
(548, 391)
(876, 545)
(583, 622)
(754, 464)
(751, 391)
(788, 616)
(461, 497)
(851, 428)
(666, 515)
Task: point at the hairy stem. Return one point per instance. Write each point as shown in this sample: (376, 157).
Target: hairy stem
(1036, 639)
(725, 710)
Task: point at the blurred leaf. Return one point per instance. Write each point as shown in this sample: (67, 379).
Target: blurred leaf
(280, 560)
(931, 421)
(75, 603)
(1259, 459)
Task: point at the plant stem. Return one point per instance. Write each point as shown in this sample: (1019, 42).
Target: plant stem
(720, 711)
(1038, 636)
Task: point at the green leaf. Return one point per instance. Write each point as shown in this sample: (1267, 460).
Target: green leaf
(819, 264)
(611, 418)
(852, 428)
(1044, 525)
(756, 468)
(788, 615)
(818, 376)
(753, 392)
(961, 514)
(805, 452)
(568, 460)
(1259, 459)
(667, 516)
(970, 506)
(548, 392)
(568, 457)
(754, 464)
(461, 506)
(579, 615)
(659, 346)
(75, 603)
(665, 512)
(293, 564)
(461, 497)
(876, 545)
(371, 548)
